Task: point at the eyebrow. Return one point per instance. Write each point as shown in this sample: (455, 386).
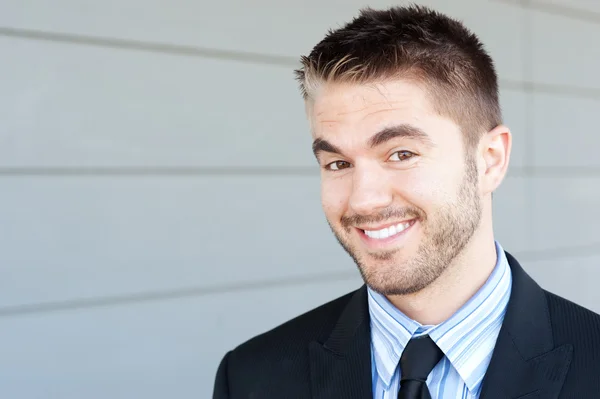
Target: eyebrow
(322, 145)
(404, 131)
(379, 138)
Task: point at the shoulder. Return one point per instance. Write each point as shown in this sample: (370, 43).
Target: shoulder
(288, 341)
(278, 357)
(579, 328)
(572, 322)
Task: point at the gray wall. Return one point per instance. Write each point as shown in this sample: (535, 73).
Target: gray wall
(159, 203)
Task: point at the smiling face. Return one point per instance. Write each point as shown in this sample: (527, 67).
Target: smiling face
(398, 189)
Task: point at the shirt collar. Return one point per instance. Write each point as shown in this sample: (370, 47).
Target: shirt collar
(467, 338)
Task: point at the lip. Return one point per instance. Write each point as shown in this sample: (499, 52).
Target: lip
(385, 243)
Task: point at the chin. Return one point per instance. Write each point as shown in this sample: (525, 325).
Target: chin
(396, 275)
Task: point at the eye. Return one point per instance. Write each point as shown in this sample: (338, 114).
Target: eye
(400, 156)
(337, 165)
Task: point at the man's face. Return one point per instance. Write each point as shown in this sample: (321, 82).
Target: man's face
(398, 189)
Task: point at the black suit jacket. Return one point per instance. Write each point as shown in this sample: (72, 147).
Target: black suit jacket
(548, 348)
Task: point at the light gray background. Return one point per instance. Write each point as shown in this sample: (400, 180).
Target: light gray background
(159, 202)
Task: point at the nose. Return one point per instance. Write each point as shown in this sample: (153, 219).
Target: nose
(371, 191)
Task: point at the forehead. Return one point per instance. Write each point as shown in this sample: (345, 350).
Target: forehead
(342, 105)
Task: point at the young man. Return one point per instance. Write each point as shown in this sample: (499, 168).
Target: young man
(403, 109)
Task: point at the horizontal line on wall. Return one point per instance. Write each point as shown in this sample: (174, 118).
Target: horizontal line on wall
(577, 252)
(134, 171)
(560, 10)
(254, 58)
(152, 47)
(574, 252)
(183, 293)
(548, 88)
(247, 171)
(556, 172)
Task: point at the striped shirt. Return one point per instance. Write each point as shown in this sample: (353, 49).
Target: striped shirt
(467, 339)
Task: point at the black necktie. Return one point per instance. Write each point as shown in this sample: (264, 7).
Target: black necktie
(418, 359)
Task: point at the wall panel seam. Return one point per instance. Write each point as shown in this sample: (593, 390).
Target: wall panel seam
(579, 252)
(574, 13)
(252, 58)
(249, 171)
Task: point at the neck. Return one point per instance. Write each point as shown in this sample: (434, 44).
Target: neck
(460, 281)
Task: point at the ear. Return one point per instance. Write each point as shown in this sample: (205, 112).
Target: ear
(494, 156)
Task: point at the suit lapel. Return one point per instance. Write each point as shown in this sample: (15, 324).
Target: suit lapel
(525, 364)
(341, 367)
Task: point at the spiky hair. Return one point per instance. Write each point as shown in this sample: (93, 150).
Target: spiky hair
(414, 43)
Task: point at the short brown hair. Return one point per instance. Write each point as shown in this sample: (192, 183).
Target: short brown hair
(415, 43)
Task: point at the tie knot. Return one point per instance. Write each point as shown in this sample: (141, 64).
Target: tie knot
(419, 357)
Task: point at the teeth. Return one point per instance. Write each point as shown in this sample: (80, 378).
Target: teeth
(388, 231)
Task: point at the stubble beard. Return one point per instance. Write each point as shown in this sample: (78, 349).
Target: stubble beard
(445, 235)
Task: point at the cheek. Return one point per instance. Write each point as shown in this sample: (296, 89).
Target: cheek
(420, 189)
(334, 196)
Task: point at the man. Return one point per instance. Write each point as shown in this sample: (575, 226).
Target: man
(403, 109)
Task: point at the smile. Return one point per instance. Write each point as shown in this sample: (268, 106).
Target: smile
(389, 231)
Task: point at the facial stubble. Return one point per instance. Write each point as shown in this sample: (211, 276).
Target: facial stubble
(445, 235)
